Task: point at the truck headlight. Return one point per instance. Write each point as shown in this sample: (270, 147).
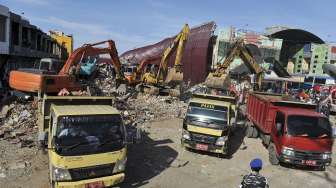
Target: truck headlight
(185, 135)
(288, 151)
(60, 174)
(221, 141)
(120, 165)
(326, 155)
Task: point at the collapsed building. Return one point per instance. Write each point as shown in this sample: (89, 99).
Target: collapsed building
(196, 58)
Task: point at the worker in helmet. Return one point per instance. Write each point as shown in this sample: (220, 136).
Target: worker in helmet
(254, 179)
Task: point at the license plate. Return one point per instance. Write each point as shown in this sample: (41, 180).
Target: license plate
(202, 147)
(98, 184)
(309, 162)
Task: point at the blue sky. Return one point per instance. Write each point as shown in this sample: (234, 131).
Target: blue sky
(139, 22)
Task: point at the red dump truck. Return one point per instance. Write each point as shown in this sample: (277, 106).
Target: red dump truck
(293, 132)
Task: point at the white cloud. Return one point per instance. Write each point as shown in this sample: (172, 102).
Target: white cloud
(34, 2)
(90, 32)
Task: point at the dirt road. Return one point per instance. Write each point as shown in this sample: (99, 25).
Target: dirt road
(159, 161)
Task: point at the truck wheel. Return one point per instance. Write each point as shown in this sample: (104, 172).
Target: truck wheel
(272, 154)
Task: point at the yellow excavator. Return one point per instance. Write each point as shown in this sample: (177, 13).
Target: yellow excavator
(220, 78)
(165, 79)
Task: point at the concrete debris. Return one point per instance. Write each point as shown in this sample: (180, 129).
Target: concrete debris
(144, 107)
(18, 125)
(5, 109)
(16, 166)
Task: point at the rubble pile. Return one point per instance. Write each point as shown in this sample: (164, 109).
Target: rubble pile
(103, 83)
(143, 107)
(18, 124)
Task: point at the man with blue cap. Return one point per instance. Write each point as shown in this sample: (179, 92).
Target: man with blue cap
(254, 179)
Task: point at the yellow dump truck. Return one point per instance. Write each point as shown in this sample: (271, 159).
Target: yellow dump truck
(86, 141)
(208, 123)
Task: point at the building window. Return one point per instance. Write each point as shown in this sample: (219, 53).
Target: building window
(315, 62)
(326, 57)
(325, 62)
(316, 56)
(313, 71)
(300, 61)
(314, 66)
(300, 56)
(15, 31)
(3, 28)
(299, 66)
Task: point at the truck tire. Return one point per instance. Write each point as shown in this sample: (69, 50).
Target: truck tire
(273, 159)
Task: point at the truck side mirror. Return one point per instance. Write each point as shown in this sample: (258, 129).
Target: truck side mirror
(278, 127)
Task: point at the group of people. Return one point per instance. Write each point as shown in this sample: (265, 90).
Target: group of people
(322, 98)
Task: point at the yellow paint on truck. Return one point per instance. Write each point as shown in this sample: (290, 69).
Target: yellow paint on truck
(108, 181)
(204, 110)
(204, 130)
(69, 162)
(112, 161)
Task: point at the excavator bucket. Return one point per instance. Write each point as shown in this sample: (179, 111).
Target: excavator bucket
(174, 76)
(218, 81)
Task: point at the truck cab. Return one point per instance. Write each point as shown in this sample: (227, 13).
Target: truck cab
(86, 141)
(293, 132)
(208, 123)
(302, 137)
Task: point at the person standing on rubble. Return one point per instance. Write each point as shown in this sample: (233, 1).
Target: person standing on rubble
(254, 179)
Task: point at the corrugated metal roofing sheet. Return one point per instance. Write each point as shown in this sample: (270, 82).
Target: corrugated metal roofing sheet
(196, 58)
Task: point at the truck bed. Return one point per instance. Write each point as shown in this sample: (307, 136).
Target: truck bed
(262, 107)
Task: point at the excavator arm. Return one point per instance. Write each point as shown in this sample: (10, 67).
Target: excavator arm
(252, 65)
(90, 50)
(220, 79)
(178, 42)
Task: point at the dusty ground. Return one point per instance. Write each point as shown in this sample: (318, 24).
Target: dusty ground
(161, 162)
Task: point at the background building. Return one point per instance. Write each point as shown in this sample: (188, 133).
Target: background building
(268, 47)
(64, 40)
(300, 51)
(21, 44)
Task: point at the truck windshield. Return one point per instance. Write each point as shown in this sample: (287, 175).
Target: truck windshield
(308, 126)
(81, 135)
(213, 117)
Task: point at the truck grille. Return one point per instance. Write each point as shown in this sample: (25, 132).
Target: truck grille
(308, 155)
(203, 138)
(91, 172)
